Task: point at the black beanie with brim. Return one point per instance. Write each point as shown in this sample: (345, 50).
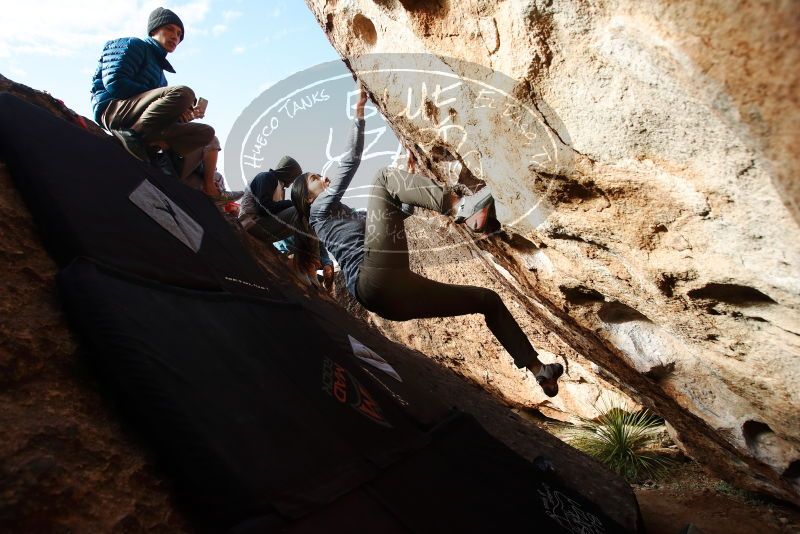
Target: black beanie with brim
(162, 16)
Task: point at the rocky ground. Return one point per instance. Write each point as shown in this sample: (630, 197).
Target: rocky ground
(686, 493)
(689, 495)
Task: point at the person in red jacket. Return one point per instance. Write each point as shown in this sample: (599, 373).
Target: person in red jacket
(131, 99)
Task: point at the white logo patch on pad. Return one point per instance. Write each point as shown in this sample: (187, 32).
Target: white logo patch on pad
(367, 355)
(168, 215)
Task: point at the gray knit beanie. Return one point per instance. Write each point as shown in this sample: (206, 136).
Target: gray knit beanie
(161, 16)
(287, 169)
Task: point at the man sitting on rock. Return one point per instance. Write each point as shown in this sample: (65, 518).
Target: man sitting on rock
(131, 99)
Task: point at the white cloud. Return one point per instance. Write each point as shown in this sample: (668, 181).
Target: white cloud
(17, 72)
(239, 49)
(57, 28)
(229, 16)
(282, 34)
(197, 31)
(191, 51)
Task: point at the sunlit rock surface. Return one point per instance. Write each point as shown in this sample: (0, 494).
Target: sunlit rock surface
(644, 162)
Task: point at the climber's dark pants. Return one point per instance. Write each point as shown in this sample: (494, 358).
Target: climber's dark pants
(388, 287)
(156, 116)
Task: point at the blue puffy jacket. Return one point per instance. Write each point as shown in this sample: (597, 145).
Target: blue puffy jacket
(128, 67)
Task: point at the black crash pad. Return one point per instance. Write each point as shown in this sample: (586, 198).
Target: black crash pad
(265, 421)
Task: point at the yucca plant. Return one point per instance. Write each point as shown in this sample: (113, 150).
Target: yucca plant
(620, 439)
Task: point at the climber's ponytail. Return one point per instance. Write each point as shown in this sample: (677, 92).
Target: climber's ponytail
(306, 256)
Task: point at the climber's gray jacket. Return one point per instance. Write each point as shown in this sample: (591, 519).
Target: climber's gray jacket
(338, 226)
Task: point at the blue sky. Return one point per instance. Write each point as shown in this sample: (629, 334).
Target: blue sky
(233, 50)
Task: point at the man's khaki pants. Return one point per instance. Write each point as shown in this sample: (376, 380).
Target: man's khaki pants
(155, 115)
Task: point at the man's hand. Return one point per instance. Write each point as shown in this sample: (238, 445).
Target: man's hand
(187, 116)
(362, 100)
(198, 113)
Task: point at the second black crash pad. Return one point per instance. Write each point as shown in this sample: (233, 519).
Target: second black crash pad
(264, 418)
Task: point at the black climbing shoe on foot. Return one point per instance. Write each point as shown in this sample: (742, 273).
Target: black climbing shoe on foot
(547, 377)
(132, 143)
(474, 210)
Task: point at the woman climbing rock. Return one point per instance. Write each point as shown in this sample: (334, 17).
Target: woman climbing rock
(372, 249)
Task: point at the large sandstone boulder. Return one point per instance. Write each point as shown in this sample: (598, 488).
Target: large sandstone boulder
(644, 163)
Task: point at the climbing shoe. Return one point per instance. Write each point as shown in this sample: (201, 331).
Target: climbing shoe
(474, 210)
(132, 143)
(547, 378)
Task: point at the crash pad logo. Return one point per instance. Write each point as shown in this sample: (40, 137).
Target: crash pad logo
(340, 384)
(568, 513)
(159, 207)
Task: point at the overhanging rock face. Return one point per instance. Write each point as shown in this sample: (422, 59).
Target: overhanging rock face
(661, 163)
